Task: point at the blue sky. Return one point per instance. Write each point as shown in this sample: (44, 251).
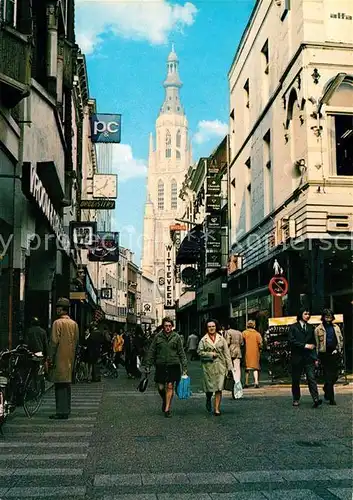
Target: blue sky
(126, 43)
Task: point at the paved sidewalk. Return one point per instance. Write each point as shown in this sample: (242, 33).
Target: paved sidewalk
(117, 445)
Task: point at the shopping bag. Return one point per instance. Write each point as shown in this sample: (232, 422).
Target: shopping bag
(228, 382)
(138, 362)
(143, 384)
(184, 389)
(237, 390)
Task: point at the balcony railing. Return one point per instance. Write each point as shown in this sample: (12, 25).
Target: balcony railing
(15, 66)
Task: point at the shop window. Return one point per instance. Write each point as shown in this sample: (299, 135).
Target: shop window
(343, 131)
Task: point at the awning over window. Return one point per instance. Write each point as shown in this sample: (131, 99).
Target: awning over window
(191, 247)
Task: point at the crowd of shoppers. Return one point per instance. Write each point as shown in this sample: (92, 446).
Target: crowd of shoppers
(220, 351)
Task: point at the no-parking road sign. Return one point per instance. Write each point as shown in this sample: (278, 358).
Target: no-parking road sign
(278, 286)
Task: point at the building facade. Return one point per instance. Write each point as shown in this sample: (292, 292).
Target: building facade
(147, 303)
(169, 159)
(203, 252)
(291, 168)
(36, 167)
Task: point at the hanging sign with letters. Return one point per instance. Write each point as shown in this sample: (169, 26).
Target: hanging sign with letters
(169, 302)
(106, 128)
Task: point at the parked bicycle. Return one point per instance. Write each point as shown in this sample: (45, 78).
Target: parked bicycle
(22, 381)
(108, 366)
(80, 368)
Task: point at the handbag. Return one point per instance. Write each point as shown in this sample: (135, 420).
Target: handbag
(143, 384)
(183, 389)
(228, 382)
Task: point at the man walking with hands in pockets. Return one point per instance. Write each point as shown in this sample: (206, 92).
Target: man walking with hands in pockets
(304, 357)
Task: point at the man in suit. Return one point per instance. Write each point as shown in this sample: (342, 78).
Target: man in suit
(304, 357)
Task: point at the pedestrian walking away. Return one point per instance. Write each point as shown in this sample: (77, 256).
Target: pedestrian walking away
(118, 348)
(235, 342)
(167, 354)
(304, 356)
(36, 340)
(253, 345)
(216, 363)
(64, 340)
(192, 344)
(329, 346)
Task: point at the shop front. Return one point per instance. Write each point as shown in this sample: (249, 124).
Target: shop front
(84, 299)
(6, 241)
(186, 314)
(212, 302)
(45, 244)
(319, 274)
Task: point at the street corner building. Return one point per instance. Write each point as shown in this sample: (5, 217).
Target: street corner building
(39, 165)
(291, 160)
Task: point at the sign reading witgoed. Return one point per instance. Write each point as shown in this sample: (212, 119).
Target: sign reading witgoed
(169, 278)
(106, 128)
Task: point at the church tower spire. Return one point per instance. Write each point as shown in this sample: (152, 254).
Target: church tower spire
(168, 161)
(172, 84)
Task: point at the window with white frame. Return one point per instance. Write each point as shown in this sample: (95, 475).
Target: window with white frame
(342, 129)
(174, 195)
(343, 134)
(160, 195)
(8, 10)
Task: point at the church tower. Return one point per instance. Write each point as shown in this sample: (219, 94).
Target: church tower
(168, 162)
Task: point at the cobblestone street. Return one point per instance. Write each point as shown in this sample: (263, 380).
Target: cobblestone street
(117, 445)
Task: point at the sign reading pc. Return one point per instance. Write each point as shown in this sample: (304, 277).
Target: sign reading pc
(106, 128)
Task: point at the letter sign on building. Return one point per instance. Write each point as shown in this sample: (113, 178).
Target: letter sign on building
(106, 128)
(169, 302)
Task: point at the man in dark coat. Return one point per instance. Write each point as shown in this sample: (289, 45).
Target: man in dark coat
(303, 348)
(36, 338)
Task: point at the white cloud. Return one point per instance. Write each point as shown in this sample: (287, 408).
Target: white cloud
(150, 20)
(207, 130)
(125, 165)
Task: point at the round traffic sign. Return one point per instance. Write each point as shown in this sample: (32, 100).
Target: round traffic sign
(278, 286)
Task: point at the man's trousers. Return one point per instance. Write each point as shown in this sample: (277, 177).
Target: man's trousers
(63, 398)
(297, 369)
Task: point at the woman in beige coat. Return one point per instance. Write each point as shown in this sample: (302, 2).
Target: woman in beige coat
(253, 345)
(216, 363)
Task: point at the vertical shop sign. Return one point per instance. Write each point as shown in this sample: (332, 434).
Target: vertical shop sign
(169, 278)
(177, 243)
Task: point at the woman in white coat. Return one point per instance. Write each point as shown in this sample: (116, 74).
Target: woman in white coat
(216, 363)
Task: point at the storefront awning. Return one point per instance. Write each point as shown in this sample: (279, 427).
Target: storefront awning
(191, 247)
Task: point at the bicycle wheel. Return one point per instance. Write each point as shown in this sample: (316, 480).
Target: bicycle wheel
(33, 396)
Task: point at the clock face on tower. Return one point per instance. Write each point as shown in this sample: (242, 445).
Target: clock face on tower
(105, 186)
